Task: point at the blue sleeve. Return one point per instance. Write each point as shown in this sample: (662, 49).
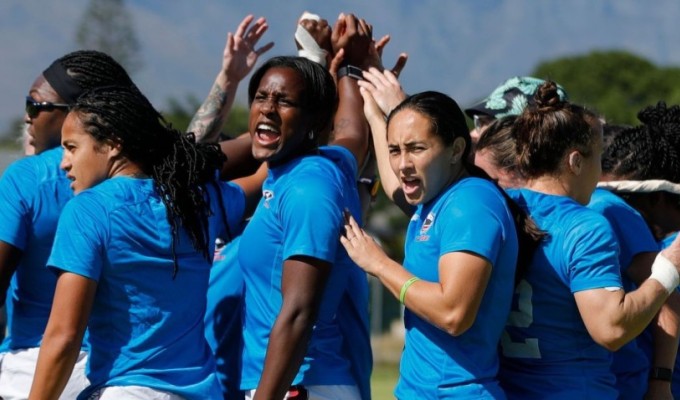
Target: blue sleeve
(79, 245)
(17, 188)
(631, 231)
(593, 254)
(343, 158)
(474, 223)
(234, 202)
(311, 217)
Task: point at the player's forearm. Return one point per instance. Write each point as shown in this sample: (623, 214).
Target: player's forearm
(58, 355)
(210, 117)
(632, 314)
(285, 353)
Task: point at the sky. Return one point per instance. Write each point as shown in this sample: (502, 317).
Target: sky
(464, 48)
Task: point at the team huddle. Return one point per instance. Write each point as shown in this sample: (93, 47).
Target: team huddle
(139, 261)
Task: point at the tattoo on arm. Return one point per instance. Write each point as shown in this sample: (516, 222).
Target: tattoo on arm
(209, 118)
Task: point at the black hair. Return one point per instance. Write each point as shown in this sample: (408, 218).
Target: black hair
(179, 167)
(90, 69)
(319, 95)
(447, 122)
(549, 128)
(648, 151)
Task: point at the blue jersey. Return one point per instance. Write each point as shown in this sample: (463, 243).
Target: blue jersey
(33, 191)
(146, 327)
(223, 325)
(629, 364)
(354, 325)
(546, 350)
(470, 216)
(300, 214)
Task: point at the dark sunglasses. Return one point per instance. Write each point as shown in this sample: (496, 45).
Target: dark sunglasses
(33, 107)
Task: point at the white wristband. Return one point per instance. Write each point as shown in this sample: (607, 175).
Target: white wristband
(665, 273)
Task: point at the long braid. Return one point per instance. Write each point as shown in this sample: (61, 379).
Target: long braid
(179, 167)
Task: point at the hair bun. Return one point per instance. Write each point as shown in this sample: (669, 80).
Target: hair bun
(547, 96)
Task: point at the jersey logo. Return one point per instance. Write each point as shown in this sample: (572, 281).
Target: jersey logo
(427, 224)
(429, 220)
(267, 195)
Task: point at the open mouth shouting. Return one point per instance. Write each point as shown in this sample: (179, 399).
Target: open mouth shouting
(411, 186)
(267, 135)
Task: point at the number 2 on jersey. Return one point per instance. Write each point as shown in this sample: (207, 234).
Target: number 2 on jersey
(522, 318)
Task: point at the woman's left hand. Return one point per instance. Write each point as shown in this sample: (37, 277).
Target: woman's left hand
(362, 248)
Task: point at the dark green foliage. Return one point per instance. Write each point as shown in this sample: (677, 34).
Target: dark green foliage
(615, 83)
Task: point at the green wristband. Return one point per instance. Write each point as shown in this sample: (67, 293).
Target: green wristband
(404, 288)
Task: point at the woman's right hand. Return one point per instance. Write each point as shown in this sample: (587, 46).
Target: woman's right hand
(362, 248)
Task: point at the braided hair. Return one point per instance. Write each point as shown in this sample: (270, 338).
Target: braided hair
(179, 167)
(90, 69)
(648, 151)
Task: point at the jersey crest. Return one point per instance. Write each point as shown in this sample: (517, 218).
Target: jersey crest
(267, 195)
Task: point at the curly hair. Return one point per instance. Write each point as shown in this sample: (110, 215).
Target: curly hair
(648, 151)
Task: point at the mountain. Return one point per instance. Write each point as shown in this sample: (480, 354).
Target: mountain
(464, 48)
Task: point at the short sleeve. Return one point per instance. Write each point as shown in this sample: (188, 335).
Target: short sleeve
(631, 231)
(80, 242)
(593, 256)
(474, 222)
(17, 188)
(311, 217)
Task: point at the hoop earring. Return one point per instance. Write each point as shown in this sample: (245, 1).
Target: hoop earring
(310, 135)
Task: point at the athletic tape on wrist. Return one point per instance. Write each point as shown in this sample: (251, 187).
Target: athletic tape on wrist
(310, 49)
(665, 272)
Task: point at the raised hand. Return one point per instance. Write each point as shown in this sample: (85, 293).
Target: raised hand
(315, 39)
(240, 55)
(354, 36)
(238, 59)
(384, 88)
(375, 52)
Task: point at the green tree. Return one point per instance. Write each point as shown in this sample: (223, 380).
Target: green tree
(617, 84)
(107, 26)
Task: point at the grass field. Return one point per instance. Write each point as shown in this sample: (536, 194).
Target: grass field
(386, 353)
(383, 380)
